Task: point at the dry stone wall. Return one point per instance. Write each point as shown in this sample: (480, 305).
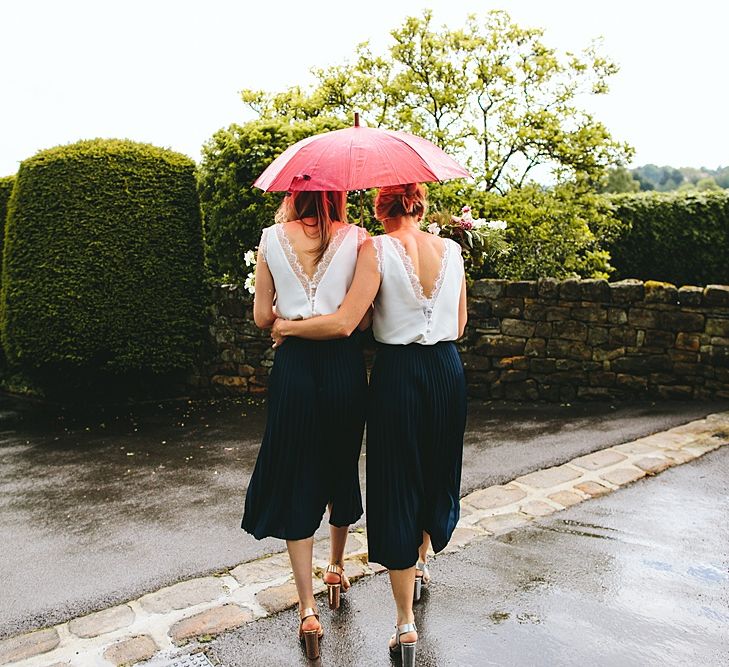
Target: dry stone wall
(537, 340)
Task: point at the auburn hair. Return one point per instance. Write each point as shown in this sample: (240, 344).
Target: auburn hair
(393, 201)
(326, 206)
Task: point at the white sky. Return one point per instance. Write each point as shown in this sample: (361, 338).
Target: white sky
(169, 72)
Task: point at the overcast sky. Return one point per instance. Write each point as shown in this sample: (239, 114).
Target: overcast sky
(169, 72)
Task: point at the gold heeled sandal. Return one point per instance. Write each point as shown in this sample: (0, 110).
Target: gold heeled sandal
(335, 590)
(406, 649)
(310, 637)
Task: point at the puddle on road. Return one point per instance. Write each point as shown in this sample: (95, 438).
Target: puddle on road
(573, 528)
(81, 473)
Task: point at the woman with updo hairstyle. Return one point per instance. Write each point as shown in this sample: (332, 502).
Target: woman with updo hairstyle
(317, 391)
(416, 413)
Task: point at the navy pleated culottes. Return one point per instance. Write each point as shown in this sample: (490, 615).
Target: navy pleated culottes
(415, 424)
(316, 412)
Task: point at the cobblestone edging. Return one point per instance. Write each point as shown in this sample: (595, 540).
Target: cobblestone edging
(179, 618)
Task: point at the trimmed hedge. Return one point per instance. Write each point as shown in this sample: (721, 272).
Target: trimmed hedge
(676, 237)
(103, 263)
(6, 189)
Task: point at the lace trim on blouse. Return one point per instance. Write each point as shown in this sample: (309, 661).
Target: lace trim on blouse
(377, 245)
(429, 301)
(362, 236)
(263, 244)
(310, 284)
(413, 276)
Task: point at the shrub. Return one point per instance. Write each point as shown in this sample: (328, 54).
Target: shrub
(234, 212)
(557, 233)
(677, 237)
(6, 189)
(103, 263)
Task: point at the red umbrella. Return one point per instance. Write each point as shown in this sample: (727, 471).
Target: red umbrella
(358, 158)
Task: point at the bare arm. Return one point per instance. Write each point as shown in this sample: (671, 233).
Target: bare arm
(341, 324)
(263, 314)
(462, 309)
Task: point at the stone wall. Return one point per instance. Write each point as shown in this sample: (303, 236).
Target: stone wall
(237, 356)
(530, 340)
(561, 340)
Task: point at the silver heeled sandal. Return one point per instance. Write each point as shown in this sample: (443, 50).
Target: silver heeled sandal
(406, 649)
(420, 579)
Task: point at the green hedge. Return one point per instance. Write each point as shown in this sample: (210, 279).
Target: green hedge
(234, 211)
(6, 189)
(103, 263)
(558, 232)
(681, 238)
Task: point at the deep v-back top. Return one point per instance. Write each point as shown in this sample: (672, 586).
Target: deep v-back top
(403, 314)
(299, 297)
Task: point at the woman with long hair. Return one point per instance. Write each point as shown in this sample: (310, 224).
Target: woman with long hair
(317, 394)
(417, 394)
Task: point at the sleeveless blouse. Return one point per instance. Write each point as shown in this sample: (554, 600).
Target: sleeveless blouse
(297, 296)
(402, 313)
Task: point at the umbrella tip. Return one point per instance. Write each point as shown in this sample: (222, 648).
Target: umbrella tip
(356, 119)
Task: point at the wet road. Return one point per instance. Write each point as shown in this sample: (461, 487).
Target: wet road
(637, 578)
(96, 510)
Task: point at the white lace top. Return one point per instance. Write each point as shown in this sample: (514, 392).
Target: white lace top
(402, 312)
(299, 297)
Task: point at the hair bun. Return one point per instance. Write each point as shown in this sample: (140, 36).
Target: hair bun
(404, 199)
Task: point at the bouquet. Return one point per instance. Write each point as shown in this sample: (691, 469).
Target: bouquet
(250, 258)
(482, 241)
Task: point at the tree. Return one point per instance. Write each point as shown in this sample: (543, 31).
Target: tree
(661, 179)
(234, 212)
(620, 179)
(707, 183)
(492, 93)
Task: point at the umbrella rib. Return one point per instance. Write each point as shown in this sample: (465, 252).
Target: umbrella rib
(414, 152)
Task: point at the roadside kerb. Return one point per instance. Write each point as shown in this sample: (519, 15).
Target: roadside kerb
(179, 618)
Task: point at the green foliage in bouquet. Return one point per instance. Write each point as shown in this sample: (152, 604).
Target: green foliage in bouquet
(482, 242)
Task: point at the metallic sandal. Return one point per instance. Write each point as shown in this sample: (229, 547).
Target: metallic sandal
(420, 579)
(406, 649)
(334, 590)
(310, 637)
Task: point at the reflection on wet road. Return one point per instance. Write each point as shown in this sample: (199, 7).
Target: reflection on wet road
(637, 578)
(100, 508)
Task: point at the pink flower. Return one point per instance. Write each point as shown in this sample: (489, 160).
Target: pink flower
(466, 224)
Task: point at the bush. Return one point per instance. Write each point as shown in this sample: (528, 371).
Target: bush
(6, 189)
(234, 212)
(557, 233)
(677, 237)
(103, 263)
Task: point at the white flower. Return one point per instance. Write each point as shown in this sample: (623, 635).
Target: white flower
(477, 224)
(433, 228)
(496, 224)
(249, 258)
(250, 283)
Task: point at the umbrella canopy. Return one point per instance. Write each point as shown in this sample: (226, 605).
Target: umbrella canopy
(358, 158)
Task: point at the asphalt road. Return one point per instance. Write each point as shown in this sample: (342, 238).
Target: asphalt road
(638, 578)
(98, 509)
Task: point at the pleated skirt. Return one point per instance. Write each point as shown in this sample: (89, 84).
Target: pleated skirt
(416, 419)
(311, 445)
